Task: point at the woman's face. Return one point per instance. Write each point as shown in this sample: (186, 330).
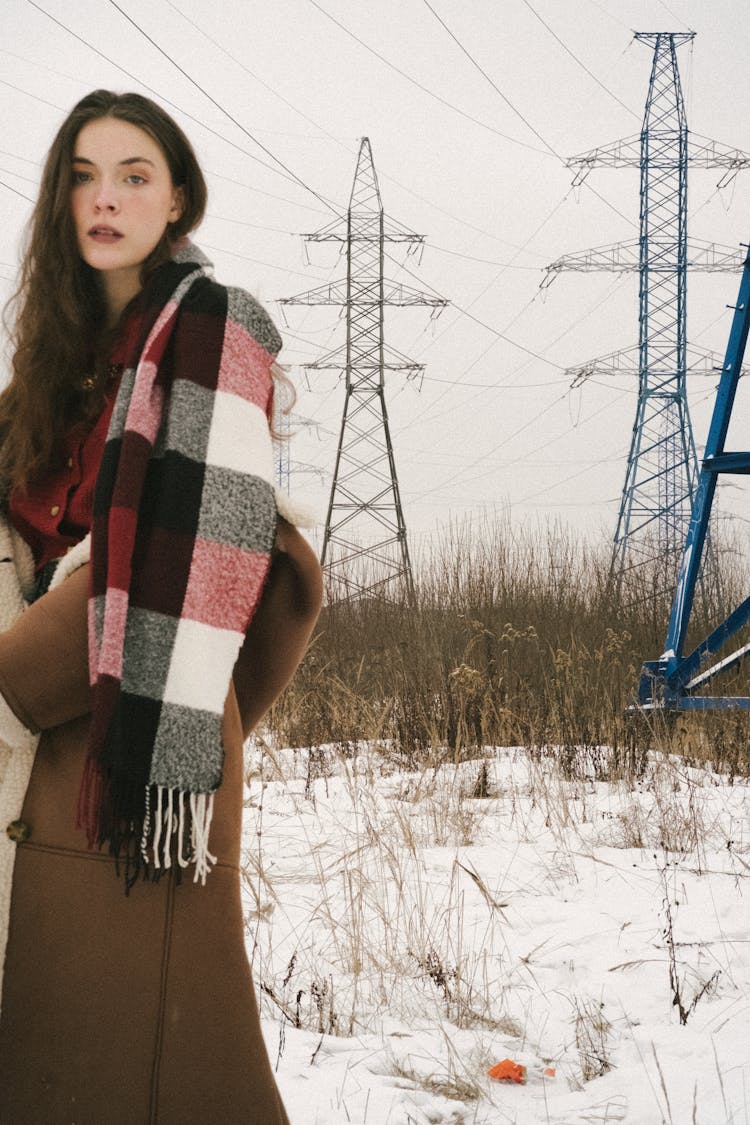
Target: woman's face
(122, 199)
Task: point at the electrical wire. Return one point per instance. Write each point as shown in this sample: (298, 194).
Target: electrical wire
(545, 444)
(293, 175)
(419, 85)
(482, 261)
(336, 140)
(576, 59)
(289, 172)
(215, 216)
(16, 191)
(255, 261)
(325, 202)
(19, 176)
(36, 97)
(467, 312)
(674, 17)
(492, 83)
(17, 156)
(189, 116)
(604, 11)
(229, 179)
(552, 151)
(267, 194)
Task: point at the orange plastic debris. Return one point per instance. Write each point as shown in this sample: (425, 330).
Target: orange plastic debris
(508, 1071)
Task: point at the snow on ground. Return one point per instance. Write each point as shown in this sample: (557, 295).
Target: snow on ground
(410, 929)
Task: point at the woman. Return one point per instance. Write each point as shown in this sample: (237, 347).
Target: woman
(137, 412)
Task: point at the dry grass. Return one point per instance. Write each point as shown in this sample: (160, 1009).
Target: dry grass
(513, 640)
(593, 1033)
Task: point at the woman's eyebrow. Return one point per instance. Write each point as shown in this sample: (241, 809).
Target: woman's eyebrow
(129, 160)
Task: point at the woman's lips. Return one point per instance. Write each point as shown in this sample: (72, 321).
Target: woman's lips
(104, 234)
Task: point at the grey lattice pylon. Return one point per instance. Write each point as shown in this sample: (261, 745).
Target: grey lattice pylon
(662, 465)
(365, 548)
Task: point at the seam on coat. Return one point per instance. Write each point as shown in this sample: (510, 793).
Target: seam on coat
(166, 949)
(69, 853)
(75, 853)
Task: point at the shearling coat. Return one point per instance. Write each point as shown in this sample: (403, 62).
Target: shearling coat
(136, 1010)
(118, 1010)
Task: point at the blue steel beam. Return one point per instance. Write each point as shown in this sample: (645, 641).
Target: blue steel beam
(667, 682)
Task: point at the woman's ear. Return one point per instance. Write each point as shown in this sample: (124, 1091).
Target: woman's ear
(178, 204)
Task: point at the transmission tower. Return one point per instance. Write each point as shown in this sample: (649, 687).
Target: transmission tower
(365, 549)
(662, 467)
(284, 418)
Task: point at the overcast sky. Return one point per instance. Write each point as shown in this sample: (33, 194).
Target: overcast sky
(276, 98)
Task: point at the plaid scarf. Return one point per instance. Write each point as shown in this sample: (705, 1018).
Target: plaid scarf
(183, 525)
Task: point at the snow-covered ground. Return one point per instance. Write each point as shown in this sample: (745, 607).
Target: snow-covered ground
(410, 929)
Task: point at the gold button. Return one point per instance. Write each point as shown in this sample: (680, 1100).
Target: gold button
(18, 831)
(70, 462)
(54, 509)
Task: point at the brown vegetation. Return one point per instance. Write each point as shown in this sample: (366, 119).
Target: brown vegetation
(513, 640)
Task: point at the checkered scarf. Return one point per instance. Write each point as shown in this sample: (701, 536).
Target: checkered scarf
(184, 521)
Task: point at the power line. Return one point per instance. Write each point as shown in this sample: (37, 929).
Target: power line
(537, 449)
(604, 11)
(16, 191)
(256, 77)
(291, 174)
(222, 109)
(197, 121)
(255, 261)
(576, 59)
(36, 97)
(494, 280)
(497, 89)
(189, 116)
(482, 261)
(19, 176)
(419, 85)
(321, 129)
(492, 83)
(17, 156)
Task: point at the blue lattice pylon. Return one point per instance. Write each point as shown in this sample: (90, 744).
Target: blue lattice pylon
(662, 463)
(662, 466)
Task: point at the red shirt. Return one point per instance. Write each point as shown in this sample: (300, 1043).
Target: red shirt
(55, 513)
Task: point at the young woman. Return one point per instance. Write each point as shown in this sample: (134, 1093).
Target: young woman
(137, 470)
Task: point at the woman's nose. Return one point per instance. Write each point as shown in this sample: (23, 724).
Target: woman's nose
(106, 199)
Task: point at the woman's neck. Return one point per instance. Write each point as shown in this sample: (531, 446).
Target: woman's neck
(120, 286)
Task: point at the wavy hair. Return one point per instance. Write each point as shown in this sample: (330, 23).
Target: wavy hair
(56, 319)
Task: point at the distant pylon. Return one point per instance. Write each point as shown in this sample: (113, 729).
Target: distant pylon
(365, 549)
(662, 467)
(282, 433)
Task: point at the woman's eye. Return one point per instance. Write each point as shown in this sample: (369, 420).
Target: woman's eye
(136, 179)
(81, 177)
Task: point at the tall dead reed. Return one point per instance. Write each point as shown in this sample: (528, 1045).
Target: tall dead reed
(514, 638)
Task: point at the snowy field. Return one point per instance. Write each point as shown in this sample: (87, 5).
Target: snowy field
(409, 930)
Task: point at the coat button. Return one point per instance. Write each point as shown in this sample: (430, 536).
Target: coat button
(18, 831)
(54, 509)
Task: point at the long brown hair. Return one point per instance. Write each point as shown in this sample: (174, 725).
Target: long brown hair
(57, 316)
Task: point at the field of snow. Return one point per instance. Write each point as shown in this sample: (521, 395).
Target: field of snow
(410, 929)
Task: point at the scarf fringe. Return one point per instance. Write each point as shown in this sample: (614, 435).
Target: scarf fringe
(163, 837)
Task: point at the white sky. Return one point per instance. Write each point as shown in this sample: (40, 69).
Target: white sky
(492, 427)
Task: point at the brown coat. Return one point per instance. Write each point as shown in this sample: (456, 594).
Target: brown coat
(135, 1010)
